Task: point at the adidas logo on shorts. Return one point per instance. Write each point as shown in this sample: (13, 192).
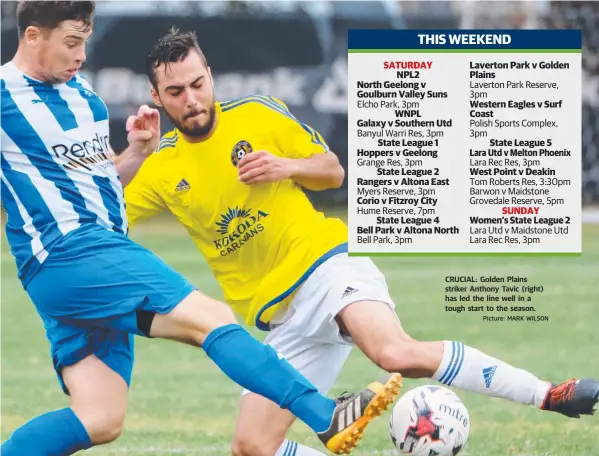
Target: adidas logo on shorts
(348, 291)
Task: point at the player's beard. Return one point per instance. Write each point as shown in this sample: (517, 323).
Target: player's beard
(198, 131)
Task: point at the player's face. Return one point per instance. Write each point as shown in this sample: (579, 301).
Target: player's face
(186, 94)
(61, 51)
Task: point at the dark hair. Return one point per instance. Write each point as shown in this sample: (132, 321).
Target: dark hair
(172, 47)
(49, 14)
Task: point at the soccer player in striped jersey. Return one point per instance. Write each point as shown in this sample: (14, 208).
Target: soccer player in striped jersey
(92, 286)
(232, 173)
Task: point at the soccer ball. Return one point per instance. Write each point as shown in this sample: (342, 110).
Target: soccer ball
(429, 421)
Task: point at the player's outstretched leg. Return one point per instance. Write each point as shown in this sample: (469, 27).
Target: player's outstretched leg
(455, 364)
(201, 321)
(467, 368)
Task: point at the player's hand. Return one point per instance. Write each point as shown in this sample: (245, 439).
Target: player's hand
(262, 166)
(144, 130)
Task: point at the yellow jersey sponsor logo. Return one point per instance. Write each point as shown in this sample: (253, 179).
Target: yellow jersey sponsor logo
(236, 227)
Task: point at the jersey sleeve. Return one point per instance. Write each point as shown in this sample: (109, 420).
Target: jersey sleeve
(142, 201)
(295, 138)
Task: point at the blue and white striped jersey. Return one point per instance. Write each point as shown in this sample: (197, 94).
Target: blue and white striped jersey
(57, 173)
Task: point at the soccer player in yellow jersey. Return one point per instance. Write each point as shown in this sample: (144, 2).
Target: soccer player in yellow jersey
(232, 173)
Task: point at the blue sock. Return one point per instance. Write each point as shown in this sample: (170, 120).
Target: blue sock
(59, 433)
(257, 367)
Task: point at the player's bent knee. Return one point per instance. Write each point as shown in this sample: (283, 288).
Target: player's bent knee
(215, 314)
(108, 432)
(104, 425)
(399, 357)
(255, 446)
(98, 396)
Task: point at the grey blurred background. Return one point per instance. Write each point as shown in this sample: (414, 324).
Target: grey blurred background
(296, 51)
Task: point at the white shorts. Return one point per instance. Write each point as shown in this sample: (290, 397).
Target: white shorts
(306, 333)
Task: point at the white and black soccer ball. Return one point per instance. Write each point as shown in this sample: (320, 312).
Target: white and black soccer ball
(429, 421)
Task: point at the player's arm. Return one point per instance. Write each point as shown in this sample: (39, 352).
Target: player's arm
(317, 172)
(143, 137)
(127, 164)
(306, 158)
(142, 201)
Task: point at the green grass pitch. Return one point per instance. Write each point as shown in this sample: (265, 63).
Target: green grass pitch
(181, 404)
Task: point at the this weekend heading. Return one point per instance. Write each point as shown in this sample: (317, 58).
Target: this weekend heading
(464, 39)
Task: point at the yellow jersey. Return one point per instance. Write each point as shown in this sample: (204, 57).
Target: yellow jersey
(261, 241)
